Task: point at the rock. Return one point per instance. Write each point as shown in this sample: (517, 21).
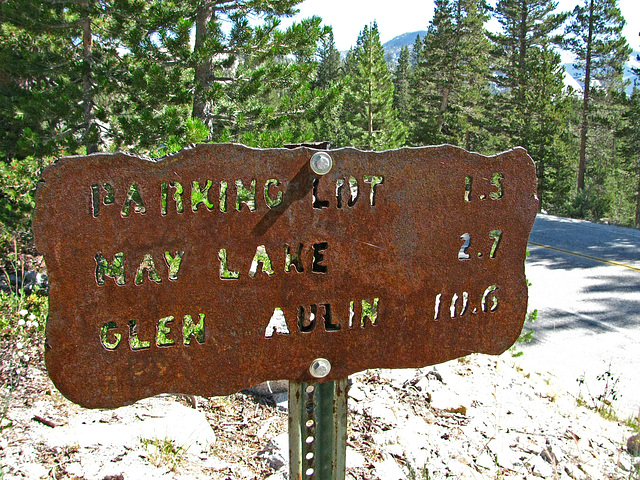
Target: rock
(165, 420)
(34, 470)
(278, 476)
(541, 466)
(633, 445)
(355, 459)
(381, 413)
(462, 470)
(389, 469)
(448, 401)
(356, 393)
(548, 456)
(273, 454)
(270, 388)
(423, 385)
(282, 401)
(625, 463)
(505, 457)
(485, 460)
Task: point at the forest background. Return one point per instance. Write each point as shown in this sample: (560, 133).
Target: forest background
(150, 77)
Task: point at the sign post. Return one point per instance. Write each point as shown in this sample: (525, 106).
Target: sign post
(318, 430)
(221, 267)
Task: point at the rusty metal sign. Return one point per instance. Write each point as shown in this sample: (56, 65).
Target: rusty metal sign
(223, 266)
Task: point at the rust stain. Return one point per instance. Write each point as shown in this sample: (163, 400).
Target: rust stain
(387, 278)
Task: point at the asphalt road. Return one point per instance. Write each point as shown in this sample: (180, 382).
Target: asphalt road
(586, 286)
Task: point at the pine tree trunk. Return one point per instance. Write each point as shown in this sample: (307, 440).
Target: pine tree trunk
(585, 103)
(87, 88)
(203, 70)
(370, 109)
(522, 54)
(638, 201)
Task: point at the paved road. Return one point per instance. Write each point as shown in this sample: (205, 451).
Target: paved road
(586, 286)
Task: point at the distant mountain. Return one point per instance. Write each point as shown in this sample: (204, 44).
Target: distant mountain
(392, 47)
(573, 77)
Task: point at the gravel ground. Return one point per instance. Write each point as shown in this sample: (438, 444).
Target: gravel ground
(478, 417)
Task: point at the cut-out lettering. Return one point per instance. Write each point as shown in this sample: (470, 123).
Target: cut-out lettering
(374, 181)
(465, 303)
(177, 196)
(352, 313)
(277, 324)
(468, 186)
(147, 265)
(353, 189)
(318, 257)
(173, 264)
(225, 273)
(329, 324)
(246, 195)
(95, 200)
(162, 330)
(134, 342)
(496, 181)
(104, 340)
(113, 270)
(490, 299)
(462, 254)
(317, 203)
(108, 198)
(339, 185)
(262, 257)
(369, 311)
(223, 196)
(191, 329)
(271, 202)
(133, 197)
(199, 195)
(459, 312)
(307, 325)
(452, 308)
(436, 314)
(497, 237)
(164, 194)
(293, 258)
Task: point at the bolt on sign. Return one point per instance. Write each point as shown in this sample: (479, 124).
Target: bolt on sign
(222, 266)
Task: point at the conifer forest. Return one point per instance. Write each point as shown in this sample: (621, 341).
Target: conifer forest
(150, 77)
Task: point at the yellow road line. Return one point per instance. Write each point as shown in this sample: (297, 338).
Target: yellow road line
(589, 257)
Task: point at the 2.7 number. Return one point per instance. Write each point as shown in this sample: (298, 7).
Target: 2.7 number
(496, 235)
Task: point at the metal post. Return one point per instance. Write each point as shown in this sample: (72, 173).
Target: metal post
(318, 430)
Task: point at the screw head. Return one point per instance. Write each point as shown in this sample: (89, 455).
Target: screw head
(320, 368)
(321, 163)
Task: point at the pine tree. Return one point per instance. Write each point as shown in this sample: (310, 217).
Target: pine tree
(545, 110)
(371, 120)
(525, 24)
(451, 74)
(631, 146)
(529, 106)
(224, 83)
(328, 62)
(55, 63)
(401, 85)
(595, 37)
(330, 80)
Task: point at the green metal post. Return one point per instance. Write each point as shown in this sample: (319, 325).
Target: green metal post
(318, 430)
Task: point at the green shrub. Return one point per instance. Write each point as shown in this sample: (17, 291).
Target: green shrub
(18, 180)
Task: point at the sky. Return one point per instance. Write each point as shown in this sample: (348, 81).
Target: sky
(348, 17)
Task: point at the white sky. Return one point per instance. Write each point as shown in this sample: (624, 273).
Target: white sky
(348, 17)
